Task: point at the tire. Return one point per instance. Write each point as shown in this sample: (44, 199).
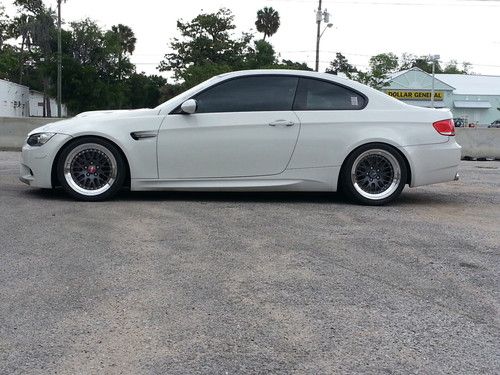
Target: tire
(374, 174)
(91, 169)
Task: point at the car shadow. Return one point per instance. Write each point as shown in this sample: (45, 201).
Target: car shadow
(408, 197)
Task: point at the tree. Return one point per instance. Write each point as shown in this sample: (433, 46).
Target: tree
(452, 68)
(289, 64)
(341, 65)
(86, 43)
(9, 63)
(144, 91)
(205, 41)
(381, 66)
(261, 56)
(121, 41)
(35, 25)
(409, 61)
(4, 26)
(268, 21)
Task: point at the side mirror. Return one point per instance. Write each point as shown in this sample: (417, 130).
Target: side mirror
(189, 106)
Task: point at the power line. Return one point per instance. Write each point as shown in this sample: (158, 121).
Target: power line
(465, 3)
(363, 55)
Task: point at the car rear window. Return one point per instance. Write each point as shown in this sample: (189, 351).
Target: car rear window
(314, 95)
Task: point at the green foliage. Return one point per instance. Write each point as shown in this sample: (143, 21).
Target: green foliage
(97, 72)
(341, 65)
(208, 47)
(4, 26)
(382, 65)
(120, 43)
(268, 21)
(144, 91)
(201, 72)
(206, 40)
(9, 63)
(289, 64)
(452, 68)
(261, 55)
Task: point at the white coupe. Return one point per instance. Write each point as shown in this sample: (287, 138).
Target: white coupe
(260, 130)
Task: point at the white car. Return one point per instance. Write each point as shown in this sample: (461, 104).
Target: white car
(260, 130)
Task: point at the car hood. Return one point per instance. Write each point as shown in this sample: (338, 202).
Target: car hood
(97, 118)
(116, 113)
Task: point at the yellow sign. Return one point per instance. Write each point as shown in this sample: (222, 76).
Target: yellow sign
(415, 95)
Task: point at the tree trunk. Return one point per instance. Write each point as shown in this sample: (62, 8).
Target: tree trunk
(21, 62)
(47, 112)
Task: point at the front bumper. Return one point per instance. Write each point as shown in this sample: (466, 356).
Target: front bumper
(431, 164)
(36, 162)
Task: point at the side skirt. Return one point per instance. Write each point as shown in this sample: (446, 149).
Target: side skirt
(303, 179)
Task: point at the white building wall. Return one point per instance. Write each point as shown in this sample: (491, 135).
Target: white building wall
(14, 99)
(36, 104)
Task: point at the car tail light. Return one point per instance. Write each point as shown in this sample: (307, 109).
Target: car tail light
(445, 127)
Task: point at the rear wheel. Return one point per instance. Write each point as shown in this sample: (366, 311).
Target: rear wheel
(91, 169)
(374, 174)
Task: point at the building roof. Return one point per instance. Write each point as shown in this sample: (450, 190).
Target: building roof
(469, 84)
(409, 79)
(4, 82)
(463, 84)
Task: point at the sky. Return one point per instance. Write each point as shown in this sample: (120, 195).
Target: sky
(462, 30)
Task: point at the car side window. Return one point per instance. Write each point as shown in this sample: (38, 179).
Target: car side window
(315, 95)
(249, 94)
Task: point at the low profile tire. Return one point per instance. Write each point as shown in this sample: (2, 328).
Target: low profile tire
(374, 174)
(91, 169)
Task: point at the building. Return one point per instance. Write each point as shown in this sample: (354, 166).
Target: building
(474, 98)
(19, 101)
(36, 105)
(14, 99)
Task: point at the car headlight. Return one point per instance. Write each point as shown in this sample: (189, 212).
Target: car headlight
(39, 139)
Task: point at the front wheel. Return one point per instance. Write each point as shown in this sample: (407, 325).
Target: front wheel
(374, 174)
(91, 169)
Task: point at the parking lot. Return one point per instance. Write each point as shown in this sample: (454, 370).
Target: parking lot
(202, 283)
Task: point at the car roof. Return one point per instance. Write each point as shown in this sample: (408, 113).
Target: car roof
(376, 98)
(304, 73)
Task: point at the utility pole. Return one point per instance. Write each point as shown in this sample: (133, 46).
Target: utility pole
(432, 90)
(434, 58)
(319, 17)
(59, 60)
(325, 17)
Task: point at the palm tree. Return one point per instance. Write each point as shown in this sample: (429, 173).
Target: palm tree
(125, 41)
(268, 21)
(121, 41)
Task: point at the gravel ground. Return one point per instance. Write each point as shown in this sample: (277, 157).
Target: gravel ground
(198, 283)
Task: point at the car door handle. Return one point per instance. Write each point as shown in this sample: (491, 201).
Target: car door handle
(282, 123)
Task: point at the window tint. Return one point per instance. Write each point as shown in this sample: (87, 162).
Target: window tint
(314, 94)
(249, 94)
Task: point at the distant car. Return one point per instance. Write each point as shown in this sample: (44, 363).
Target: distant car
(495, 124)
(270, 130)
(459, 122)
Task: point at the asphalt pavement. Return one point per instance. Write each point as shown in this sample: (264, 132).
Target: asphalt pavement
(234, 283)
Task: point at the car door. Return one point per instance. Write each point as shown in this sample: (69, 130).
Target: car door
(332, 118)
(242, 127)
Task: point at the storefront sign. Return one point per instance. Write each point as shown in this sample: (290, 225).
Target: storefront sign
(415, 95)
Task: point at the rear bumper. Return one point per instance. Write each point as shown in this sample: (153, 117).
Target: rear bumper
(36, 162)
(431, 164)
